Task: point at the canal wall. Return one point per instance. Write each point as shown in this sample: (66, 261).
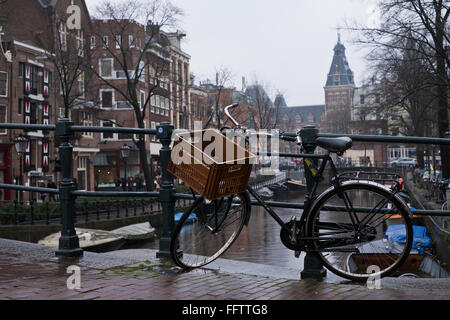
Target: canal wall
(34, 233)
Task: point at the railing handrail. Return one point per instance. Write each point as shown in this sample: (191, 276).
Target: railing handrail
(354, 137)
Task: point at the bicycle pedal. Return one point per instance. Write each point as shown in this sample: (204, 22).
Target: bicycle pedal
(297, 254)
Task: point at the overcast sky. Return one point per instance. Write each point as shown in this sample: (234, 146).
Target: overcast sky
(286, 45)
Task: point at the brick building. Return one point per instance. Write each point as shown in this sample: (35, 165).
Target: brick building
(30, 34)
(162, 91)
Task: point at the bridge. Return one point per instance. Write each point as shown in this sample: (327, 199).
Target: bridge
(167, 196)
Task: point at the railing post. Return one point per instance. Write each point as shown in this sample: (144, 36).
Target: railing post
(312, 265)
(69, 245)
(167, 190)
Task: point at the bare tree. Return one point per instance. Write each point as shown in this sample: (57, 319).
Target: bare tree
(222, 82)
(71, 58)
(266, 111)
(139, 54)
(426, 24)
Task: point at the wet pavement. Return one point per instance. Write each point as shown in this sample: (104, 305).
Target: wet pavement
(31, 272)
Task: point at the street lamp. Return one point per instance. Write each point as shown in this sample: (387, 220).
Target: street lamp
(125, 153)
(20, 144)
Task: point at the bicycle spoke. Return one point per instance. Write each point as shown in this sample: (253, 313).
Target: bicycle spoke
(205, 239)
(349, 252)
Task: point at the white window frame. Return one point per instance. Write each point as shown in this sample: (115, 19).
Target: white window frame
(141, 100)
(115, 135)
(80, 83)
(118, 41)
(80, 43)
(130, 107)
(131, 41)
(82, 162)
(113, 99)
(87, 122)
(136, 136)
(105, 41)
(63, 36)
(92, 42)
(153, 126)
(112, 68)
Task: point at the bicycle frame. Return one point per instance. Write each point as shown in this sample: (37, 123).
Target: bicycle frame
(309, 198)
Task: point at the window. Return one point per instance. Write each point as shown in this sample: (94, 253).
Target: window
(92, 42)
(118, 42)
(34, 113)
(34, 79)
(63, 36)
(131, 41)
(107, 98)
(298, 119)
(82, 172)
(86, 120)
(153, 126)
(125, 136)
(21, 67)
(80, 81)
(2, 118)
(362, 99)
(142, 101)
(141, 71)
(377, 98)
(322, 117)
(311, 117)
(3, 84)
(80, 43)
(124, 105)
(105, 42)
(106, 68)
(107, 135)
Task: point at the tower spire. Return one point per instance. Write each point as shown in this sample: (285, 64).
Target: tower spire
(340, 73)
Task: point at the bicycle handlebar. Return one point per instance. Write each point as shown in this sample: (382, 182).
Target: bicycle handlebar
(234, 105)
(281, 134)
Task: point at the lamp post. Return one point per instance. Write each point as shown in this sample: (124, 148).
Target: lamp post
(20, 144)
(125, 153)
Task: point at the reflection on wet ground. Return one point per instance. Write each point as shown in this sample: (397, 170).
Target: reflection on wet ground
(260, 241)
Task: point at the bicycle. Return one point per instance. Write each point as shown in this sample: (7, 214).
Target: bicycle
(344, 225)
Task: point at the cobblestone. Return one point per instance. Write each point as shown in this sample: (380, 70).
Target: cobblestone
(25, 278)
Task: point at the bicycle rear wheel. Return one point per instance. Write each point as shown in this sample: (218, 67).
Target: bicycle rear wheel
(348, 230)
(207, 230)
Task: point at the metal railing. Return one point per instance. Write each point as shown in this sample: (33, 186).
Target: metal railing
(166, 196)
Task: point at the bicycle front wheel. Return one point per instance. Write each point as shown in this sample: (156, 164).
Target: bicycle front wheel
(207, 229)
(361, 231)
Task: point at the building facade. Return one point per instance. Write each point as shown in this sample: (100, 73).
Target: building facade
(31, 30)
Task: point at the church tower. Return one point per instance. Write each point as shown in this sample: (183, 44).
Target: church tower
(339, 90)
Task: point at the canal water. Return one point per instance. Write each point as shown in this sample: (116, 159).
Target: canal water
(260, 241)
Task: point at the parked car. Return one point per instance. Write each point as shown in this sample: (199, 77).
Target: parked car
(404, 162)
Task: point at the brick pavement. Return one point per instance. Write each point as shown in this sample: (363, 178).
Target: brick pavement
(32, 278)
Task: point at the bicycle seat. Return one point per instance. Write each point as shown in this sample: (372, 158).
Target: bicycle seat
(336, 145)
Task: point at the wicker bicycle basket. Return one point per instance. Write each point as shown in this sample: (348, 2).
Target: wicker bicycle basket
(210, 163)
